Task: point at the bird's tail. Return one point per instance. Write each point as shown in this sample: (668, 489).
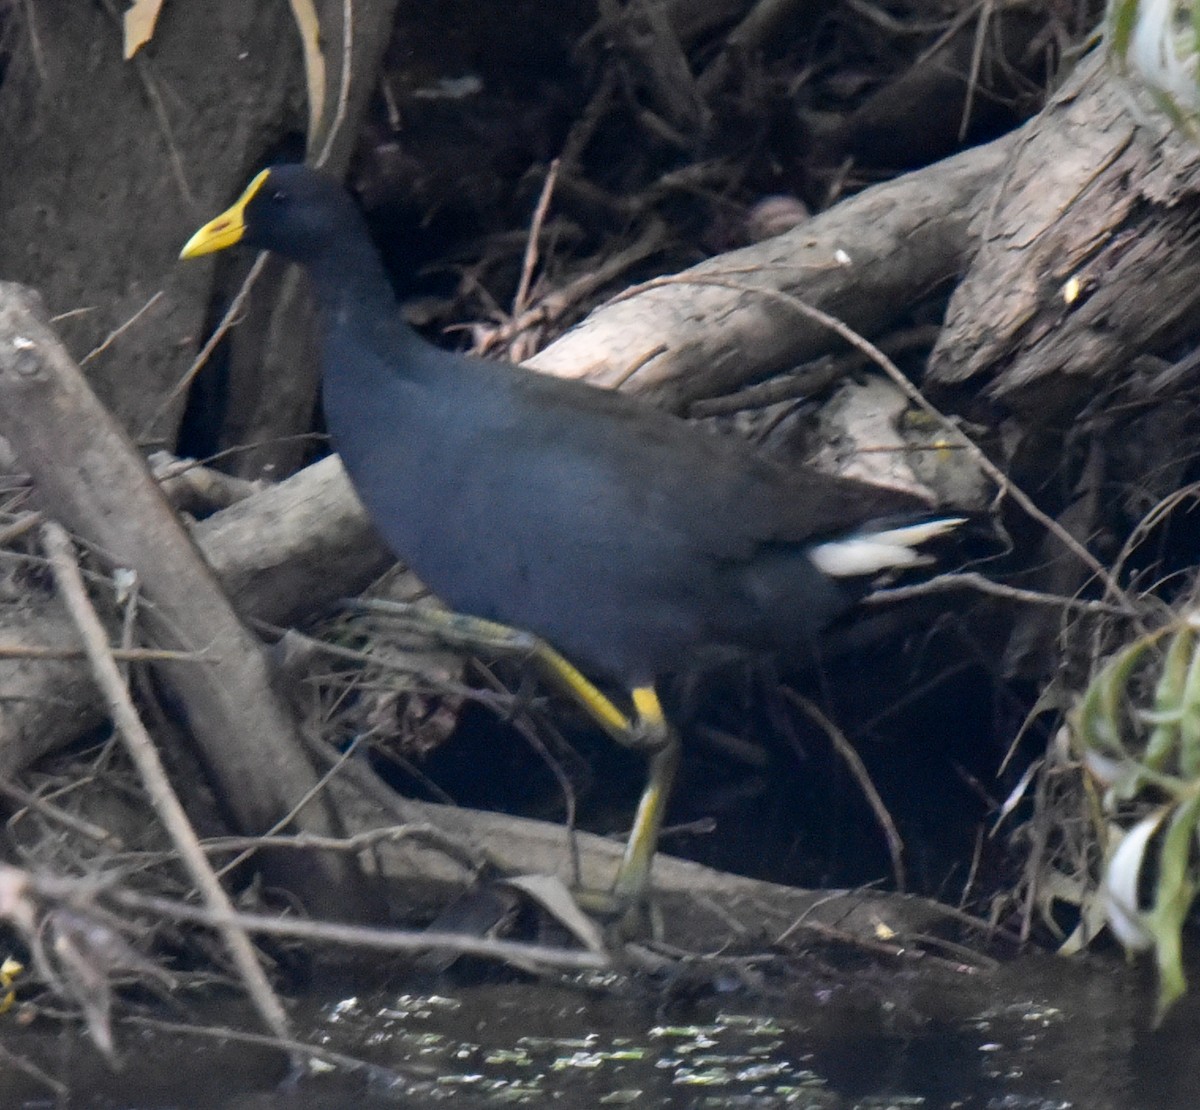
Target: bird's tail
(881, 549)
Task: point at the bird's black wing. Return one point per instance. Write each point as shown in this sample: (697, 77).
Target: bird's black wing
(729, 498)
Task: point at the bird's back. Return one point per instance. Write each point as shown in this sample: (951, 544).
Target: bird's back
(627, 538)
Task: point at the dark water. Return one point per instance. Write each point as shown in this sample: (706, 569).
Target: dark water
(1039, 1034)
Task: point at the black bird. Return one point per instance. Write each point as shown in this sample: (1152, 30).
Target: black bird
(619, 535)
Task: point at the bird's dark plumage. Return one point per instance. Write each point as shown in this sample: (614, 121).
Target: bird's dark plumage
(630, 540)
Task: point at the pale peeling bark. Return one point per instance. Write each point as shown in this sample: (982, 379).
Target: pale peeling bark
(1086, 255)
(726, 322)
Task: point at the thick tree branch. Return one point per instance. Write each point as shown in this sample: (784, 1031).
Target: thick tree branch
(866, 261)
(89, 476)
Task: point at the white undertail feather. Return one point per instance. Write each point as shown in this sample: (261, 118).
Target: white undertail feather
(867, 553)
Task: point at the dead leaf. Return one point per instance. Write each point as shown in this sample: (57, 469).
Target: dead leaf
(305, 14)
(139, 25)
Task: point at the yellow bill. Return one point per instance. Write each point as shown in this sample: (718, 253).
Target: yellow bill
(228, 228)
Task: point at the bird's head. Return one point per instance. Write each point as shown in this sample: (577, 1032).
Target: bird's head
(293, 210)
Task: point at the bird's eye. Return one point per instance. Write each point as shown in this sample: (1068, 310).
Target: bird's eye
(278, 196)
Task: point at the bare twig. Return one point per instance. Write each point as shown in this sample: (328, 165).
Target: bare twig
(530, 260)
(60, 1090)
(316, 788)
(157, 106)
(588, 122)
(809, 379)
(986, 15)
(26, 522)
(969, 580)
(859, 770)
(35, 42)
(361, 936)
(29, 800)
(116, 333)
(554, 305)
(194, 487)
(201, 360)
(468, 856)
(760, 24)
(387, 1077)
(357, 842)
(144, 756)
(124, 655)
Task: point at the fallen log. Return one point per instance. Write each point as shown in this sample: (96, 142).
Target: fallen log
(89, 476)
(726, 322)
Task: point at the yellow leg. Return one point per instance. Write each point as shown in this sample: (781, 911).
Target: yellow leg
(632, 883)
(646, 730)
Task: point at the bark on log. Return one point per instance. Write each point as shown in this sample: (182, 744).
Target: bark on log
(1096, 209)
(290, 550)
(44, 703)
(295, 548)
(90, 477)
(690, 338)
(696, 903)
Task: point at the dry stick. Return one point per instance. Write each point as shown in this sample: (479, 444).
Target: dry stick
(125, 655)
(984, 927)
(313, 791)
(362, 936)
(461, 850)
(201, 360)
(986, 15)
(60, 1090)
(1153, 517)
(85, 895)
(530, 261)
(906, 387)
(355, 842)
(24, 523)
(588, 122)
(27, 800)
(748, 40)
(859, 770)
(553, 305)
(833, 933)
(809, 378)
(969, 579)
(117, 332)
(159, 108)
(386, 1077)
(141, 750)
(35, 44)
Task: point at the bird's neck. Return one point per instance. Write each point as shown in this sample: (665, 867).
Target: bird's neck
(350, 282)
